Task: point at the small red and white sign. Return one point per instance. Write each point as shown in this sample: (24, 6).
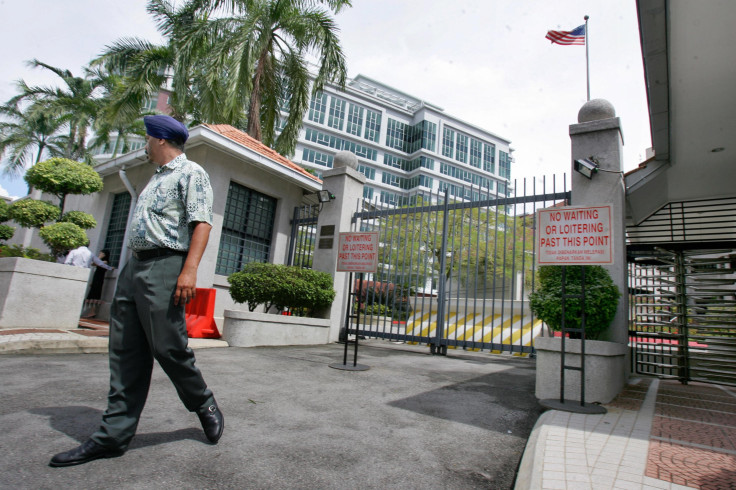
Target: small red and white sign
(575, 235)
(357, 252)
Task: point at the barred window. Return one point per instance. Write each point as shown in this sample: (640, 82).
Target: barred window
(247, 228)
(116, 227)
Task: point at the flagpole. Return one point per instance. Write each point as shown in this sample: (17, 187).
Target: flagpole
(587, 64)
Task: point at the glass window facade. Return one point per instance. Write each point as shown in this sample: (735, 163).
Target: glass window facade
(396, 135)
(247, 228)
(504, 165)
(476, 153)
(369, 172)
(340, 144)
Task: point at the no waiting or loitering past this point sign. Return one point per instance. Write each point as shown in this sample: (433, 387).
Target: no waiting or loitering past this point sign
(575, 235)
(357, 252)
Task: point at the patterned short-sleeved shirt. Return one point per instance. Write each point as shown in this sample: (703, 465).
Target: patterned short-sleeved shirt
(178, 195)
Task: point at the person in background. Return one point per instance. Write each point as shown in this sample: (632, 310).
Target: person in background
(168, 235)
(83, 257)
(94, 296)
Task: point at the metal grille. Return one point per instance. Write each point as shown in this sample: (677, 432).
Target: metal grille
(454, 273)
(683, 315)
(246, 229)
(303, 236)
(705, 221)
(116, 227)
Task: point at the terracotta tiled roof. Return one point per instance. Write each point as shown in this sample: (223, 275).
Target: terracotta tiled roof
(244, 139)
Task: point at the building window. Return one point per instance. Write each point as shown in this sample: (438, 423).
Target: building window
(317, 157)
(429, 135)
(504, 165)
(340, 144)
(489, 158)
(116, 227)
(391, 179)
(355, 120)
(448, 142)
(476, 153)
(368, 192)
(247, 227)
(337, 114)
(318, 108)
(372, 125)
(396, 135)
(370, 173)
(461, 148)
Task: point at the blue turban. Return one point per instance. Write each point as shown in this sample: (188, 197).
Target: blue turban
(165, 127)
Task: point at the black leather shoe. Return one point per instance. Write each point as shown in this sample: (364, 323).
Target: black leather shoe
(88, 451)
(212, 422)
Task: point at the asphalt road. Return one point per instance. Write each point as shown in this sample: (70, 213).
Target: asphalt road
(411, 421)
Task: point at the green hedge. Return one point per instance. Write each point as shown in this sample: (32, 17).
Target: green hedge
(601, 298)
(303, 291)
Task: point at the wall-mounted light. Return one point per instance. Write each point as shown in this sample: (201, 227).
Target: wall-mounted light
(325, 196)
(586, 166)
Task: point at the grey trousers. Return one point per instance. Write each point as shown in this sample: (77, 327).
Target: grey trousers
(146, 325)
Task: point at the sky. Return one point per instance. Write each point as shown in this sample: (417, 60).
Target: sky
(486, 62)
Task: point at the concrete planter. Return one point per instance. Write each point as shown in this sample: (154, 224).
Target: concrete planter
(38, 294)
(605, 369)
(250, 329)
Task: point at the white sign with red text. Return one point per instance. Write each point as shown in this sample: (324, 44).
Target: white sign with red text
(357, 252)
(575, 235)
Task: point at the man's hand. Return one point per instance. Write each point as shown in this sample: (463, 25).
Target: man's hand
(186, 287)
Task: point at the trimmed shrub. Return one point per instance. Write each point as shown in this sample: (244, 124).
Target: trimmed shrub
(303, 291)
(30, 213)
(83, 220)
(26, 253)
(61, 176)
(601, 298)
(6, 232)
(62, 237)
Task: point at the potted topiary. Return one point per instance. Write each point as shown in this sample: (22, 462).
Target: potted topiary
(601, 299)
(58, 287)
(303, 293)
(604, 361)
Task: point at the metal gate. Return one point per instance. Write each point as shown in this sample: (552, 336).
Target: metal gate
(683, 315)
(455, 268)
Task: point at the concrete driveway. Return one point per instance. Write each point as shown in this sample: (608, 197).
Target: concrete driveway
(411, 421)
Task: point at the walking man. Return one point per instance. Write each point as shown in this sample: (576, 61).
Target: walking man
(169, 232)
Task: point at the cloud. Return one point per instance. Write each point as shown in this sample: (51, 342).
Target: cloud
(5, 193)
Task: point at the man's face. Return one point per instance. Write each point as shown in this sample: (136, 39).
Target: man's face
(152, 149)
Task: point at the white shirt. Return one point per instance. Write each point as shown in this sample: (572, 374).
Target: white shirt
(83, 257)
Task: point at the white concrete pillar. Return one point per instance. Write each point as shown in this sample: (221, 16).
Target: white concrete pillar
(346, 184)
(598, 135)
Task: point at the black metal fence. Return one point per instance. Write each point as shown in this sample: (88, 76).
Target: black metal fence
(454, 273)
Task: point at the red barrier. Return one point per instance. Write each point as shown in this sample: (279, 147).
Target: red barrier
(200, 315)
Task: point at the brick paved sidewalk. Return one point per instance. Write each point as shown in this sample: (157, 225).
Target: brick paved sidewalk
(693, 438)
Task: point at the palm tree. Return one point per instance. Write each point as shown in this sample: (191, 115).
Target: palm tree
(77, 104)
(261, 54)
(237, 62)
(26, 136)
(147, 67)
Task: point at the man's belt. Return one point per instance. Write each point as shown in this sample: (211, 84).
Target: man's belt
(157, 252)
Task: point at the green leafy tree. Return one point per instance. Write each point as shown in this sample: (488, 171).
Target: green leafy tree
(62, 237)
(484, 248)
(83, 220)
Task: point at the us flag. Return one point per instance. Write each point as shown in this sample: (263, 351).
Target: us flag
(568, 38)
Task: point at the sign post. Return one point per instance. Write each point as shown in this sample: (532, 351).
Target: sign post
(574, 235)
(356, 252)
